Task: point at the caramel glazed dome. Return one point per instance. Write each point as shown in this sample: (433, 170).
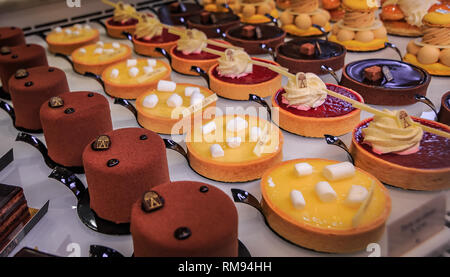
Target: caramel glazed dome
(433, 51)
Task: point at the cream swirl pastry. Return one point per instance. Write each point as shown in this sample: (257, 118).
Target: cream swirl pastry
(359, 19)
(123, 12)
(394, 134)
(235, 64)
(148, 28)
(436, 36)
(414, 10)
(192, 42)
(304, 6)
(306, 92)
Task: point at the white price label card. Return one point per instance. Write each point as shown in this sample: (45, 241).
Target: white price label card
(416, 226)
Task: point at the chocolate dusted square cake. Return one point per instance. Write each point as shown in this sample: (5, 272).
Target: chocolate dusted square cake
(13, 211)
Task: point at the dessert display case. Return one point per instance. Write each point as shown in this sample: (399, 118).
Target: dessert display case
(61, 232)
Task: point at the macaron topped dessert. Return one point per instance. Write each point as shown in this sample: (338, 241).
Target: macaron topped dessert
(11, 36)
(404, 17)
(299, 19)
(432, 52)
(360, 30)
(66, 40)
(122, 20)
(254, 11)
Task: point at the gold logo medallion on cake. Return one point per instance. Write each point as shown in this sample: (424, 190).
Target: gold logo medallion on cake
(56, 102)
(103, 142)
(21, 73)
(152, 202)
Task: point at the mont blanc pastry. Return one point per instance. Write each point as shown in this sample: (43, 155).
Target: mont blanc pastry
(360, 30)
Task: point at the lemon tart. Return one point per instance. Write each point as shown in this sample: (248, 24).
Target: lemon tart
(157, 109)
(129, 79)
(66, 40)
(234, 148)
(96, 57)
(340, 213)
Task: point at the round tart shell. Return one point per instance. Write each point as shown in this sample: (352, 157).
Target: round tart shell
(444, 112)
(164, 125)
(397, 175)
(242, 91)
(298, 65)
(68, 48)
(292, 29)
(377, 95)
(317, 127)
(210, 29)
(116, 31)
(323, 240)
(258, 18)
(234, 172)
(148, 49)
(98, 68)
(252, 47)
(182, 65)
(132, 91)
(357, 46)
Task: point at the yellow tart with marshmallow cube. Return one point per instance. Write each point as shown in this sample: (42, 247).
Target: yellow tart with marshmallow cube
(324, 205)
(66, 40)
(129, 79)
(97, 57)
(234, 148)
(161, 110)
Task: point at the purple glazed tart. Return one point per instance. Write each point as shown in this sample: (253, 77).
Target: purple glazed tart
(386, 82)
(444, 112)
(300, 54)
(213, 24)
(250, 37)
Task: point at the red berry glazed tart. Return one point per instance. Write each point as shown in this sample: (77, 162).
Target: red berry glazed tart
(190, 51)
(124, 20)
(306, 109)
(237, 75)
(149, 34)
(402, 153)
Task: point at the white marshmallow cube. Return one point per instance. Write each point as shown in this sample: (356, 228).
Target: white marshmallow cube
(255, 133)
(133, 72)
(189, 91)
(297, 199)
(209, 127)
(78, 26)
(303, 169)
(108, 51)
(234, 142)
(131, 62)
(164, 85)
(236, 124)
(150, 101)
(148, 69)
(76, 33)
(58, 30)
(100, 43)
(68, 32)
(114, 73)
(174, 101)
(217, 151)
(356, 195)
(151, 62)
(87, 27)
(116, 45)
(82, 51)
(196, 98)
(325, 192)
(339, 171)
(98, 51)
